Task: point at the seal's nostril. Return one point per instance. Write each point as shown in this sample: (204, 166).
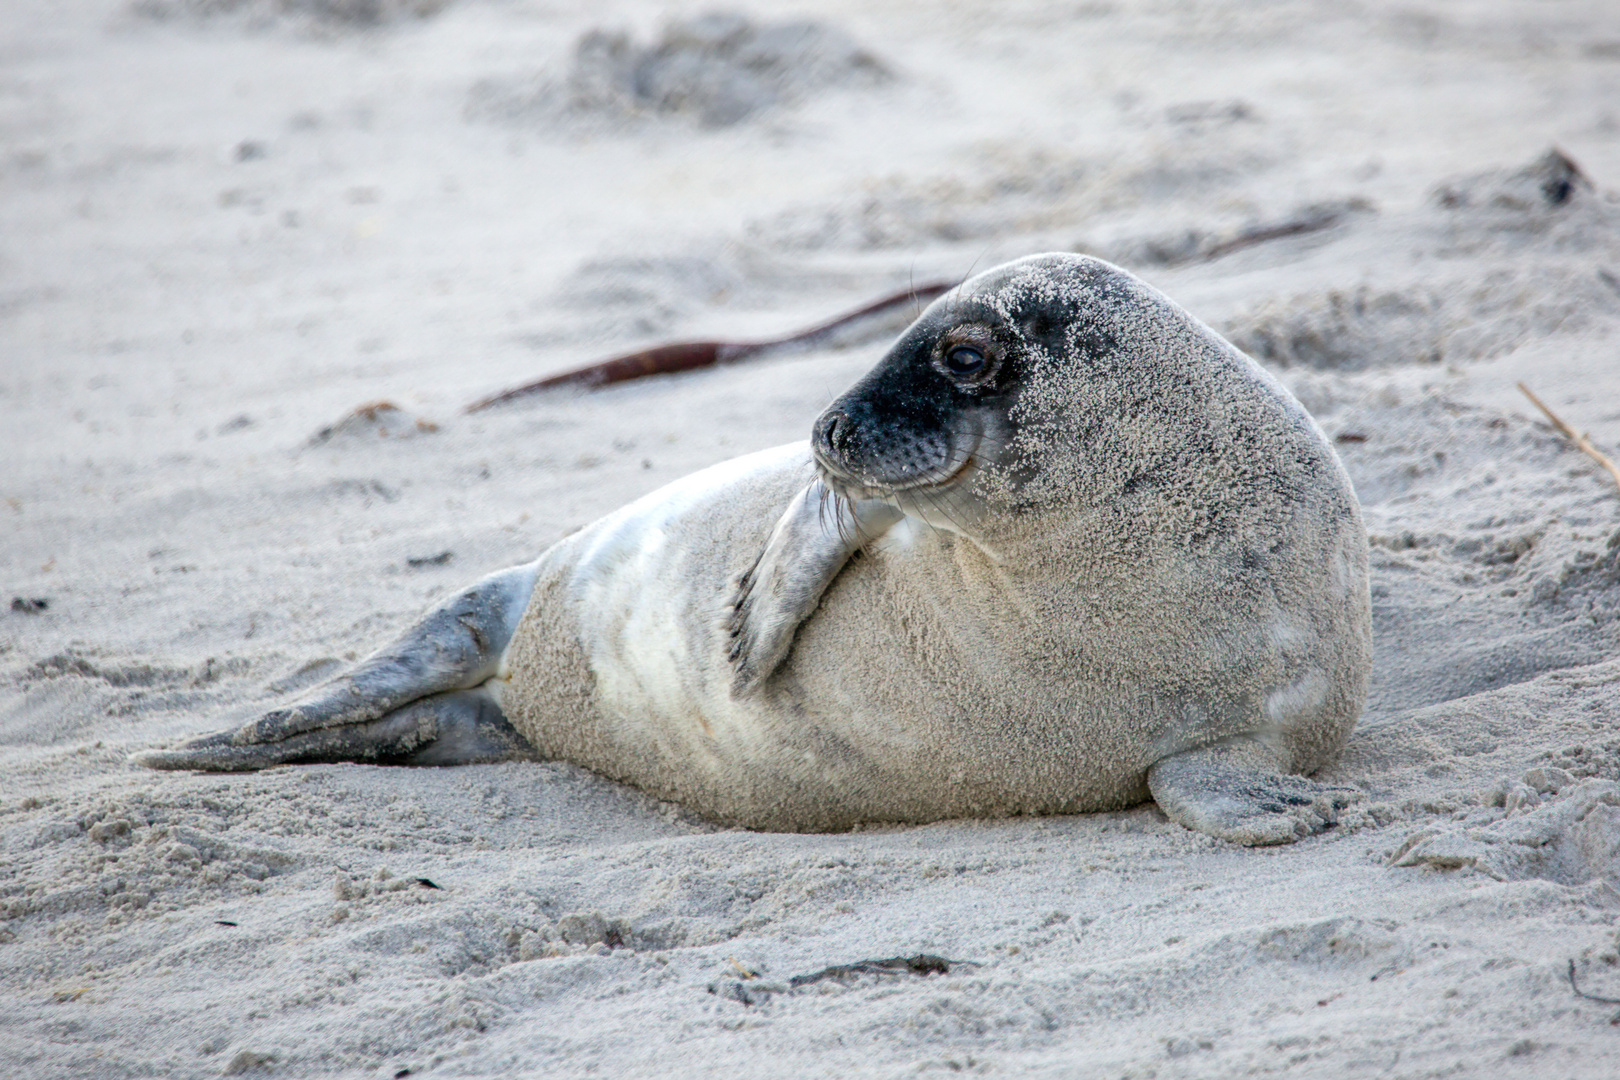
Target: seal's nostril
(834, 433)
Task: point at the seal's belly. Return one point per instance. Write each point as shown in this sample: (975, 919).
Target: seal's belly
(895, 704)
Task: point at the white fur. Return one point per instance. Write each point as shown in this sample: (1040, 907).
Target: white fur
(631, 575)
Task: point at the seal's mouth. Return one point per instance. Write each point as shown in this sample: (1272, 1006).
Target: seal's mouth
(926, 482)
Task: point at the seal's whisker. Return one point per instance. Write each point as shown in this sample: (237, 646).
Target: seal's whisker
(842, 509)
(957, 289)
(955, 501)
(933, 500)
(923, 517)
(978, 436)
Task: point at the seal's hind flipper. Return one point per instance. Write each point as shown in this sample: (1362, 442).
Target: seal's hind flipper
(456, 646)
(367, 713)
(460, 728)
(1235, 790)
(810, 544)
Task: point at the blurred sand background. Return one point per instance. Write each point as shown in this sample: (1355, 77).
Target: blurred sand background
(225, 224)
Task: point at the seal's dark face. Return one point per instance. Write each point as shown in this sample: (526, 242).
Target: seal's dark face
(920, 416)
(938, 409)
(932, 413)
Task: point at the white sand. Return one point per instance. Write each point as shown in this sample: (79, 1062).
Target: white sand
(219, 235)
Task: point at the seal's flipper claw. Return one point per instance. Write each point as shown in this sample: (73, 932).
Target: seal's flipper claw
(1235, 790)
(217, 751)
(810, 544)
(459, 728)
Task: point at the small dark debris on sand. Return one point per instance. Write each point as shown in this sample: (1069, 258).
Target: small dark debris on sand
(239, 422)
(748, 991)
(921, 964)
(1614, 1021)
(1181, 247)
(417, 562)
(30, 605)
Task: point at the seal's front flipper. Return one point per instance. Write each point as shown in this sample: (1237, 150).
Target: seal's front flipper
(811, 543)
(1237, 791)
(464, 727)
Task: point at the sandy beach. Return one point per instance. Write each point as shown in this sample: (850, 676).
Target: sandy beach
(256, 256)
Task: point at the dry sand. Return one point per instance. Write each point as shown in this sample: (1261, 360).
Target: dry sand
(224, 224)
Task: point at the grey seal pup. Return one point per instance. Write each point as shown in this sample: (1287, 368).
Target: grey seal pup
(1063, 549)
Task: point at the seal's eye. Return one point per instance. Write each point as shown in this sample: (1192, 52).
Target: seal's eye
(965, 360)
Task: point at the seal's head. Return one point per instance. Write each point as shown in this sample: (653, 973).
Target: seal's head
(922, 424)
(1061, 383)
(1007, 388)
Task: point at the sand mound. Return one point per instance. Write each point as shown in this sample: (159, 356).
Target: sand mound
(1518, 591)
(1571, 839)
(641, 294)
(1471, 319)
(376, 420)
(315, 14)
(1549, 238)
(995, 194)
(1550, 181)
(716, 70)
